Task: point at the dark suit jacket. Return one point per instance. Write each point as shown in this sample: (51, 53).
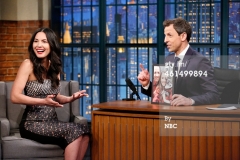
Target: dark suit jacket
(202, 89)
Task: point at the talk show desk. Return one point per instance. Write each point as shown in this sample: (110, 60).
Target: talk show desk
(139, 130)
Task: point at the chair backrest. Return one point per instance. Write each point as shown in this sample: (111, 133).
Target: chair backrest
(3, 109)
(14, 112)
(67, 113)
(225, 76)
(231, 93)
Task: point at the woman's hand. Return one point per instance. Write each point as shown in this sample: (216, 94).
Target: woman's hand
(79, 94)
(49, 101)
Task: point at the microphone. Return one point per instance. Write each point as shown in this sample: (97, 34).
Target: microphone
(133, 88)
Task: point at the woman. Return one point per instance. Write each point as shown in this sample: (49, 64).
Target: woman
(39, 77)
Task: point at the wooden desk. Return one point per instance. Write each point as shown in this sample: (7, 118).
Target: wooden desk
(136, 130)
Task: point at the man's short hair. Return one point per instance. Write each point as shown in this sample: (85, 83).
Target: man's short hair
(180, 25)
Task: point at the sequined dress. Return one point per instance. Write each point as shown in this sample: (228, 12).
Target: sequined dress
(40, 123)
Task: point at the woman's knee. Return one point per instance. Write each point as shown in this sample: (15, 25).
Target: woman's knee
(85, 137)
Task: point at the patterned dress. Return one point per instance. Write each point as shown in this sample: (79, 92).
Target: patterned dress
(40, 123)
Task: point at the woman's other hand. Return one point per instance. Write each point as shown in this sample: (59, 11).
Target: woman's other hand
(79, 94)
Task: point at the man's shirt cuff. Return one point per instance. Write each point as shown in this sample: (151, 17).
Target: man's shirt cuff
(193, 102)
(147, 86)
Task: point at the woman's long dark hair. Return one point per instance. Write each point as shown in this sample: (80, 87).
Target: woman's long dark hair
(54, 56)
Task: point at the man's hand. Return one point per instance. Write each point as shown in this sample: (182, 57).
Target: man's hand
(144, 77)
(179, 100)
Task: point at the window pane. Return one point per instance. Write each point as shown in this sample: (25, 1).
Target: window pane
(110, 1)
(111, 66)
(152, 1)
(67, 25)
(212, 54)
(169, 11)
(85, 102)
(86, 25)
(169, 0)
(234, 58)
(84, 31)
(234, 22)
(142, 1)
(181, 10)
(143, 23)
(205, 26)
(111, 93)
(76, 2)
(95, 25)
(121, 1)
(132, 27)
(67, 2)
(77, 15)
(122, 91)
(77, 64)
(121, 67)
(193, 19)
(110, 24)
(132, 64)
(120, 24)
(152, 24)
(95, 66)
(95, 2)
(87, 67)
(67, 63)
(216, 23)
(86, 2)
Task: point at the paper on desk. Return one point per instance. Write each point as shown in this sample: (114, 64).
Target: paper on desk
(226, 108)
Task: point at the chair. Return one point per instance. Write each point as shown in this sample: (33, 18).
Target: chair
(12, 145)
(231, 92)
(227, 83)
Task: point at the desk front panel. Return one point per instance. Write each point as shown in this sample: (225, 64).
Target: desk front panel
(144, 136)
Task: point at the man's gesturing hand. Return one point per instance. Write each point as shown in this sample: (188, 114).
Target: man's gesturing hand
(144, 77)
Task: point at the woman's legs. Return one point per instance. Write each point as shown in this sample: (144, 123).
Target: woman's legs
(83, 146)
(71, 151)
(76, 150)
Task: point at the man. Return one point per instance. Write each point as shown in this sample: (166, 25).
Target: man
(195, 83)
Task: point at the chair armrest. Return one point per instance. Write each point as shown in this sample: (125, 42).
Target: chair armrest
(80, 119)
(5, 127)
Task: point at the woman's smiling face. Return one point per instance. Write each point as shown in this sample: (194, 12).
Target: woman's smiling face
(163, 79)
(41, 46)
(156, 73)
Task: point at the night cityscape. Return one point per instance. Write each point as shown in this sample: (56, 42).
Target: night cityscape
(135, 22)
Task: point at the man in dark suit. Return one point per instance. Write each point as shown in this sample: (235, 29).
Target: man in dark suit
(195, 83)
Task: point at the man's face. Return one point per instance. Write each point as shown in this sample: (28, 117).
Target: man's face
(172, 39)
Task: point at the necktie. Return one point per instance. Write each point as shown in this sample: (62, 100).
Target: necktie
(176, 59)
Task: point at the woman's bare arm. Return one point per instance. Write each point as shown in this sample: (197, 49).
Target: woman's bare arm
(17, 96)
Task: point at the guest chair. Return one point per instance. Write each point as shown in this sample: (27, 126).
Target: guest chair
(228, 84)
(13, 147)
